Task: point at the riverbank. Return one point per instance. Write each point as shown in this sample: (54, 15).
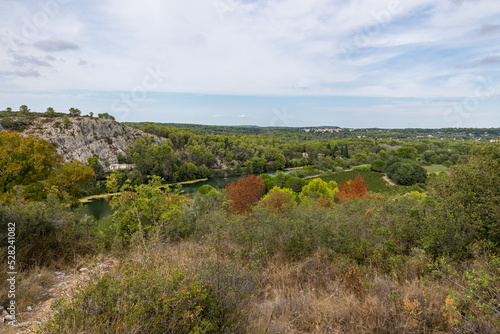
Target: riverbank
(92, 198)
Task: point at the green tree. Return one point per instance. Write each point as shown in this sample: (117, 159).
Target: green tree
(106, 116)
(187, 171)
(406, 172)
(149, 209)
(279, 161)
(24, 160)
(317, 188)
(66, 121)
(96, 166)
(359, 159)
(407, 152)
(74, 112)
(7, 123)
(469, 199)
(378, 165)
(23, 110)
(50, 112)
(70, 178)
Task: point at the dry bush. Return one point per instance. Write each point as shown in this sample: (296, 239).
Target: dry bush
(321, 294)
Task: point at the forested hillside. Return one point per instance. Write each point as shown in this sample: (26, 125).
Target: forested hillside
(364, 237)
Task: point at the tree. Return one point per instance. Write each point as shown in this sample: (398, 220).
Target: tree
(74, 112)
(66, 121)
(280, 199)
(244, 193)
(378, 165)
(317, 188)
(70, 177)
(469, 198)
(359, 159)
(24, 160)
(187, 171)
(106, 116)
(23, 110)
(91, 114)
(7, 123)
(352, 189)
(279, 161)
(406, 172)
(50, 112)
(96, 166)
(146, 209)
(8, 109)
(407, 152)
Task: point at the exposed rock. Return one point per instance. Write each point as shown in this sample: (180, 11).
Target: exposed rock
(87, 137)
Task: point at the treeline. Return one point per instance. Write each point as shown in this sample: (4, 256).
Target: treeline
(196, 152)
(332, 132)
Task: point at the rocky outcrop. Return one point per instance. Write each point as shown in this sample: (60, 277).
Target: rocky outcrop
(86, 137)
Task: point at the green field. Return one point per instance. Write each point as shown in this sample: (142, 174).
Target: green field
(435, 169)
(373, 180)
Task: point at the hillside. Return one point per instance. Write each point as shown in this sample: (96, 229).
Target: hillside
(86, 137)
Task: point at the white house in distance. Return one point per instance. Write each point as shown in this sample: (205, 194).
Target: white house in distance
(121, 166)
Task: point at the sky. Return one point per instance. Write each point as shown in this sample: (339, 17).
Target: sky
(347, 63)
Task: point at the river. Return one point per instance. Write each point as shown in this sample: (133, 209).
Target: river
(100, 208)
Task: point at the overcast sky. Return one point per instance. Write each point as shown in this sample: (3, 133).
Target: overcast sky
(349, 63)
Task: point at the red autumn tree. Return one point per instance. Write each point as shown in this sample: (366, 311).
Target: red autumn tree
(352, 189)
(244, 193)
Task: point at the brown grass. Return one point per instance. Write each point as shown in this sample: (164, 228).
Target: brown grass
(318, 295)
(325, 293)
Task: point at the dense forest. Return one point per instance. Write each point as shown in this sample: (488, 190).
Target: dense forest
(363, 238)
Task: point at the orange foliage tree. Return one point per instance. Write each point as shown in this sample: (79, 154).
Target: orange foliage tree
(244, 193)
(352, 189)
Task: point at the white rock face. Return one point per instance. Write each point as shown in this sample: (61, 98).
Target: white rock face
(87, 137)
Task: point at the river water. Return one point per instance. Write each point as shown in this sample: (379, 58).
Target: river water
(100, 208)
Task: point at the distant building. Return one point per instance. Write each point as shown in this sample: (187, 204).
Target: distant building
(121, 166)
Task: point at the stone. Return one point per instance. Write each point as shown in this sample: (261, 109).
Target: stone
(87, 137)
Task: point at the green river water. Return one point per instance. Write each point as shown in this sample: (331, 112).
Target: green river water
(100, 208)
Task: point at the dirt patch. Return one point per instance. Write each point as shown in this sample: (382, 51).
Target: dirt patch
(65, 285)
(388, 180)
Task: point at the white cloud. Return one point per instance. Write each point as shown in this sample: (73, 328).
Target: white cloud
(288, 47)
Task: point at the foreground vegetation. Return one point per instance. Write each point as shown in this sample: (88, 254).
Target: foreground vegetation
(333, 257)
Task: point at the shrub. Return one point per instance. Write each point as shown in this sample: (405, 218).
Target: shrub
(468, 205)
(406, 172)
(317, 188)
(150, 209)
(202, 298)
(362, 168)
(280, 199)
(46, 232)
(378, 166)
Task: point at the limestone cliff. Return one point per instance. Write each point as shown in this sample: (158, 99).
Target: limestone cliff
(86, 137)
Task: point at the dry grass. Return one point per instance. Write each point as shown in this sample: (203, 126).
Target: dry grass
(318, 295)
(325, 293)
